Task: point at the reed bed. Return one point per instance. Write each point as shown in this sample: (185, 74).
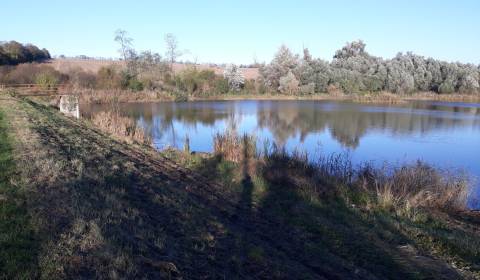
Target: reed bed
(121, 127)
(417, 185)
(399, 188)
(381, 97)
(234, 147)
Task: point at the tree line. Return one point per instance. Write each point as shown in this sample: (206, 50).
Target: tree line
(354, 70)
(13, 53)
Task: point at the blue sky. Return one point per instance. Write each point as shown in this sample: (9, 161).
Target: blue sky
(238, 31)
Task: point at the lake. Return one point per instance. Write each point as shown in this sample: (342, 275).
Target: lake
(444, 134)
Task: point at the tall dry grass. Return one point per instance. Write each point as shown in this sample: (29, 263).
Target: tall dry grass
(400, 188)
(121, 127)
(417, 185)
(234, 147)
(95, 96)
(378, 97)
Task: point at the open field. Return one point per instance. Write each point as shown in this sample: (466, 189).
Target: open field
(88, 206)
(92, 65)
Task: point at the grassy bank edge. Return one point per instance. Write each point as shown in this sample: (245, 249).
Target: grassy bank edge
(17, 236)
(125, 96)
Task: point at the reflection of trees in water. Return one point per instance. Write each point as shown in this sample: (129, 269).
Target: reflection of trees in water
(158, 119)
(347, 123)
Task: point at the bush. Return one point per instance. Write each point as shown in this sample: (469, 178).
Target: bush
(446, 87)
(288, 84)
(81, 79)
(46, 80)
(27, 73)
(108, 78)
(221, 86)
(307, 89)
(135, 85)
(195, 82)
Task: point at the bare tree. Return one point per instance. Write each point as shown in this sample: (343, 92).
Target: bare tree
(125, 42)
(172, 52)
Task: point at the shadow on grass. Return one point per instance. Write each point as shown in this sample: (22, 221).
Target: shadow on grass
(292, 233)
(117, 212)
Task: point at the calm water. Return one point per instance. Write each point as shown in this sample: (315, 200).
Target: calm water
(445, 134)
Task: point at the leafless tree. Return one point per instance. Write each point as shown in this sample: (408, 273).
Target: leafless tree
(125, 42)
(172, 52)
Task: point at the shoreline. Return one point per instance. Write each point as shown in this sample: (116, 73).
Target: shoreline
(109, 96)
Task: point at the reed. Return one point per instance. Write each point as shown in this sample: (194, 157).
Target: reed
(234, 147)
(400, 188)
(121, 127)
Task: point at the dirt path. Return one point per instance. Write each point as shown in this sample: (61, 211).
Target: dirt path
(105, 209)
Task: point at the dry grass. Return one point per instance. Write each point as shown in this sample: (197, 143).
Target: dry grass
(417, 185)
(121, 127)
(456, 97)
(380, 97)
(92, 65)
(91, 96)
(398, 188)
(233, 147)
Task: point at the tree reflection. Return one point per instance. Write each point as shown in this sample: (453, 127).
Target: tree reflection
(346, 122)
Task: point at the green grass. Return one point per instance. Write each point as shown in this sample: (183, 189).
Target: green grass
(17, 243)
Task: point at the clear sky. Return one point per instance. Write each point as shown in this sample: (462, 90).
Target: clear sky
(238, 31)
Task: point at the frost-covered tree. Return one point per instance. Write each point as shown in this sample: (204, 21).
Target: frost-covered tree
(313, 73)
(288, 83)
(353, 69)
(351, 49)
(469, 80)
(283, 63)
(399, 78)
(234, 76)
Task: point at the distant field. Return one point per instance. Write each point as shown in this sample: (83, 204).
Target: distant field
(64, 65)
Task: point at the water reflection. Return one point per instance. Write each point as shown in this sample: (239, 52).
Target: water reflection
(446, 134)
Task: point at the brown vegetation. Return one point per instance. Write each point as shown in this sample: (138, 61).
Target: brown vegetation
(93, 65)
(233, 147)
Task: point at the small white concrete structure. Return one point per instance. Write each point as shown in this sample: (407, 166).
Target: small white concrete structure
(69, 105)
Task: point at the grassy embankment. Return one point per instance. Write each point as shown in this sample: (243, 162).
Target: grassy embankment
(99, 208)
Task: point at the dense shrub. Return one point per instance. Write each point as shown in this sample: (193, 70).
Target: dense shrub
(108, 77)
(221, 86)
(200, 82)
(28, 73)
(46, 80)
(81, 79)
(288, 84)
